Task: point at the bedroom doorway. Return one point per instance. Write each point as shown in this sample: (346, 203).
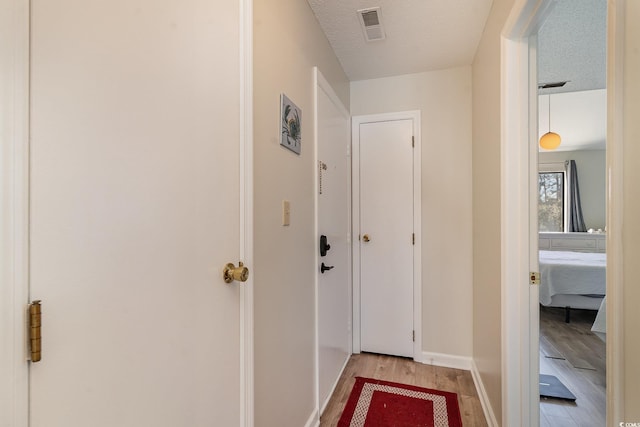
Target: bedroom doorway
(571, 214)
(520, 306)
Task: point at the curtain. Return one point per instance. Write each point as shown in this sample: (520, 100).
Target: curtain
(576, 221)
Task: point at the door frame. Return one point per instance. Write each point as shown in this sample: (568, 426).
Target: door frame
(245, 57)
(356, 121)
(14, 217)
(321, 84)
(520, 393)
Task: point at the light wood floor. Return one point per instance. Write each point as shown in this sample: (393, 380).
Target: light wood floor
(571, 352)
(405, 371)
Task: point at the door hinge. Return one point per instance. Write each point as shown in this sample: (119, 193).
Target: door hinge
(413, 141)
(413, 238)
(534, 278)
(413, 336)
(35, 331)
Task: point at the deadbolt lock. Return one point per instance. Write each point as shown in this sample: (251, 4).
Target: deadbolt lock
(366, 238)
(239, 273)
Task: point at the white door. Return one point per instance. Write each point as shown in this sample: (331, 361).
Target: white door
(334, 286)
(386, 237)
(135, 212)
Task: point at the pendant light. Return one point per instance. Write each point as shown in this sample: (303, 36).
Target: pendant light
(550, 140)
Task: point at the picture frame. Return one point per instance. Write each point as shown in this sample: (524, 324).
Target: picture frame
(290, 124)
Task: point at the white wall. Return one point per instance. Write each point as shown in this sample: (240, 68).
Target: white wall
(444, 99)
(580, 118)
(487, 296)
(288, 43)
(591, 178)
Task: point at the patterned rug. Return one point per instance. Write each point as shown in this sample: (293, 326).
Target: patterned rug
(376, 403)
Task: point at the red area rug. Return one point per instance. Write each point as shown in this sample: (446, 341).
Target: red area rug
(376, 403)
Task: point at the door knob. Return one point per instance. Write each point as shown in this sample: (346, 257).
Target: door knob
(324, 268)
(239, 273)
(366, 238)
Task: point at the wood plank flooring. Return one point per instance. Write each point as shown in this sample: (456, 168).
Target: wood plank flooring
(569, 351)
(406, 371)
(575, 355)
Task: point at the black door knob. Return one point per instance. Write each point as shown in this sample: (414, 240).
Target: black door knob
(324, 268)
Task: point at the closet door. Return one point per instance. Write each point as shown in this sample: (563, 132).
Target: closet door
(135, 212)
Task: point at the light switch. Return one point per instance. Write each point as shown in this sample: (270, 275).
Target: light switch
(286, 212)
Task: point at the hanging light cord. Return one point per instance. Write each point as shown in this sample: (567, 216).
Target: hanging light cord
(549, 113)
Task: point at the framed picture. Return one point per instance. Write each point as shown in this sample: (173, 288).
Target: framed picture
(290, 124)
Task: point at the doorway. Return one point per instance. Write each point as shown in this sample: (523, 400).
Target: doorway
(387, 274)
(572, 212)
(116, 224)
(520, 303)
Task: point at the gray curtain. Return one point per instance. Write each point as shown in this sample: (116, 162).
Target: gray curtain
(576, 221)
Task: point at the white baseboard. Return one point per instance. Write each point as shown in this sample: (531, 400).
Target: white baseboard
(482, 394)
(324, 404)
(446, 360)
(314, 419)
(466, 363)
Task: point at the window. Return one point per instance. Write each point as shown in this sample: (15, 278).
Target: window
(551, 197)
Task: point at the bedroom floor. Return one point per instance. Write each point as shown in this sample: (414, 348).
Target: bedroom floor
(571, 352)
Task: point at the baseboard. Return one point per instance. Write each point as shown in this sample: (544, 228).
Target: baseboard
(468, 364)
(482, 394)
(446, 360)
(323, 406)
(314, 419)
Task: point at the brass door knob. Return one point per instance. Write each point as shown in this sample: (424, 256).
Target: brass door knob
(366, 238)
(239, 273)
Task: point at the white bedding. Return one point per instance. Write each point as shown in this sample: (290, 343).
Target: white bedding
(571, 273)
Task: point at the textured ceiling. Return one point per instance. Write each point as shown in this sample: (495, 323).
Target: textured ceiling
(420, 35)
(425, 35)
(572, 46)
(436, 34)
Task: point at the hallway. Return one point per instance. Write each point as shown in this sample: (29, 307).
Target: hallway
(406, 371)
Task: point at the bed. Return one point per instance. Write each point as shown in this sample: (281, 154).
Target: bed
(565, 275)
(572, 279)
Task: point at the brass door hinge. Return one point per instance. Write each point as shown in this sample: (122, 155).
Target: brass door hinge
(413, 336)
(35, 331)
(413, 141)
(413, 238)
(534, 278)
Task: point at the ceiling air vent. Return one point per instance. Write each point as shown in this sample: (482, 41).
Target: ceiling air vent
(371, 22)
(551, 85)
